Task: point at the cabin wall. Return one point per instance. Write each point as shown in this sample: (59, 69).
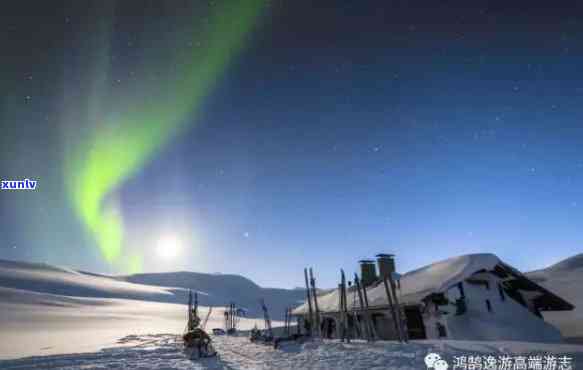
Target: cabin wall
(382, 320)
(384, 325)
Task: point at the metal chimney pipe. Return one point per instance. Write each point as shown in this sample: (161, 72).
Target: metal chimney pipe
(368, 272)
(386, 264)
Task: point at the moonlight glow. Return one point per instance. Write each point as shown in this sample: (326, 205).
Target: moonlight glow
(168, 247)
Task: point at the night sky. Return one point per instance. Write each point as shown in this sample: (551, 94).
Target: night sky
(262, 137)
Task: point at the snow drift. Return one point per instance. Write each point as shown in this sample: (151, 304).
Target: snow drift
(565, 278)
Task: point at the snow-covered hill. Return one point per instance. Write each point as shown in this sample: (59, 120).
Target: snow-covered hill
(42, 278)
(214, 289)
(565, 279)
(220, 289)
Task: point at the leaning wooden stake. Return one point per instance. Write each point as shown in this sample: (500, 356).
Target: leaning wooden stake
(356, 329)
(340, 328)
(344, 309)
(400, 314)
(317, 310)
(373, 334)
(361, 304)
(206, 319)
(393, 312)
(289, 321)
(285, 331)
(310, 311)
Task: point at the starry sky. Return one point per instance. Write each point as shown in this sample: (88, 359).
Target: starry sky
(266, 136)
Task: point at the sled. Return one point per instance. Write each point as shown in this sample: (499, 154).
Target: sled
(196, 340)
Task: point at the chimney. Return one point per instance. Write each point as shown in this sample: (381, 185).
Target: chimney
(386, 264)
(368, 272)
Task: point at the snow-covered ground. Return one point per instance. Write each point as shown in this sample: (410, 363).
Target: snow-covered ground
(54, 318)
(164, 351)
(51, 310)
(41, 324)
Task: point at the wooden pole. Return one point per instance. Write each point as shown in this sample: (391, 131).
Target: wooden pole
(344, 309)
(398, 309)
(340, 328)
(368, 315)
(196, 304)
(311, 312)
(291, 317)
(361, 304)
(190, 327)
(315, 295)
(287, 321)
(208, 315)
(356, 329)
(233, 315)
(392, 307)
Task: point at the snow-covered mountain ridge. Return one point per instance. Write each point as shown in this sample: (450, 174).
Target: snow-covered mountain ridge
(171, 287)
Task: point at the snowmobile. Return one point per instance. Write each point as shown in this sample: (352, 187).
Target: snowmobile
(195, 338)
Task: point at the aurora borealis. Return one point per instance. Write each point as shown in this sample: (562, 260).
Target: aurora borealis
(280, 133)
(120, 146)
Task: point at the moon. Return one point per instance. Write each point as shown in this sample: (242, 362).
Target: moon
(168, 247)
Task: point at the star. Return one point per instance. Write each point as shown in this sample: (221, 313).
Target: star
(246, 234)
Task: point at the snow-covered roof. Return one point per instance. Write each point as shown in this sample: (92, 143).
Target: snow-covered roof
(414, 285)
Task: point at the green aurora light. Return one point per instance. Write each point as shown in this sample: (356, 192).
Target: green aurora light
(116, 149)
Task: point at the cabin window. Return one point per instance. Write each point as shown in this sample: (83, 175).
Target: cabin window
(441, 331)
(501, 291)
(488, 305)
